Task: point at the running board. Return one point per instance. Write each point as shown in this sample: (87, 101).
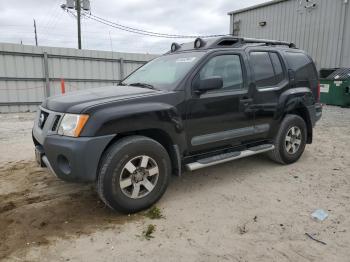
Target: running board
(223, 158)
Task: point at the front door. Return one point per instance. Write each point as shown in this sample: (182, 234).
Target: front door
(220, 117)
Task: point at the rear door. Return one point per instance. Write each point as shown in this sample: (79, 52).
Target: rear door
(270, 79)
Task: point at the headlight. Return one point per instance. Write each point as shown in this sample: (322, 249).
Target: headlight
(72, 125)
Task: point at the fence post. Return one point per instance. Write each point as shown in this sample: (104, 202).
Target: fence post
(121, 69)
(63, 88)
(47, 77)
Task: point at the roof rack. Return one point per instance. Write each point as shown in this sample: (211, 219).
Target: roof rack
(226, 41)
(265, 41)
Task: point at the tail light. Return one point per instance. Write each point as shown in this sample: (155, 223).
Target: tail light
(318, 92)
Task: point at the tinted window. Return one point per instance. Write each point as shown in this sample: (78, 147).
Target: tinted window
(263, 69)
(302, 66)
(276, 62)
(228, 67)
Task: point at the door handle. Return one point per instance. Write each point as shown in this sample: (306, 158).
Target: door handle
(246, 101)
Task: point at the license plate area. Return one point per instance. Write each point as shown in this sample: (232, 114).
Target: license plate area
(39, 152)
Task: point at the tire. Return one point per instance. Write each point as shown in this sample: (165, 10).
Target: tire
(284, 153)
(118, 180)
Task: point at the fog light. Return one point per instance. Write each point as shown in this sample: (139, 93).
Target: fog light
(63, 165)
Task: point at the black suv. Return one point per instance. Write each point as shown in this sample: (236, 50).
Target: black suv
(201, 104)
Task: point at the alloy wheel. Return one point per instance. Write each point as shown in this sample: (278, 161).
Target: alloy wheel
(293, 140)
(139, 177)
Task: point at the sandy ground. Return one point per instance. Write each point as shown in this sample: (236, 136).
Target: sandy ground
(248, 210)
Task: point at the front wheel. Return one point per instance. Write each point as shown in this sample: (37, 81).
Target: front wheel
(134, 174)
(290, 140)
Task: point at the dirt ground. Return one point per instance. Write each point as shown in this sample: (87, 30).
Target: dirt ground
(247, 210)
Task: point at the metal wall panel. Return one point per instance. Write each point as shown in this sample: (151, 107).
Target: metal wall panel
(324, 31)
(23, 75)
(345, 56)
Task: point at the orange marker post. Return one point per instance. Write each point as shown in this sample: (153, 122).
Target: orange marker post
(63, 89)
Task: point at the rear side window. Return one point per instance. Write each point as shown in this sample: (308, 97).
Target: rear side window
(276, 62)
(267, 69)
(302, 66)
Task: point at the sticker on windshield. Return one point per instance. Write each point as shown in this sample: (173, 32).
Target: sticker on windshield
(185, 60)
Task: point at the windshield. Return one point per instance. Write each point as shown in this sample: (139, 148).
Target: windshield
(164, 72)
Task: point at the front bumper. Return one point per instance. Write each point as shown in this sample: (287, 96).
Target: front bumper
(69, 158)
(73, 159)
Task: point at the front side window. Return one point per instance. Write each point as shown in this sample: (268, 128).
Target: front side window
(166, 71)
(226, 66)
(267, 69)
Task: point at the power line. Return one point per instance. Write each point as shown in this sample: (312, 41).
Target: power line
(140, 31)
(52, 23)
(50, 15)
(136, 29)
(127, 30)
(55, 23)
(144, 32)
(53, 35)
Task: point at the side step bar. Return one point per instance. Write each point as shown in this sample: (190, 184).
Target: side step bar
(223, 158)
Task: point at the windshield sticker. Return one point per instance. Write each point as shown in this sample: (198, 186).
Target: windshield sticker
(185, 60)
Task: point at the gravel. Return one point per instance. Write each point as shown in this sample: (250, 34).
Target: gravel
(247, 210)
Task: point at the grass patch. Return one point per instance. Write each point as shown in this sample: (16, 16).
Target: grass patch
(154, 213)
(147, 234)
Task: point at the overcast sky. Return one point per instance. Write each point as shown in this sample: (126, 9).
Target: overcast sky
(58, 28)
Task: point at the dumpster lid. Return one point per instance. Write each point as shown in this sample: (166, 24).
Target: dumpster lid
(340, 74)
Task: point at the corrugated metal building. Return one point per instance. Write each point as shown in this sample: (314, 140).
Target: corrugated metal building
(321, 27)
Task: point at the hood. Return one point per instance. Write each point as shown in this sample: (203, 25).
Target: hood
(77, 101)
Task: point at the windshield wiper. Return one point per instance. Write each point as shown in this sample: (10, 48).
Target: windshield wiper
(142, 85)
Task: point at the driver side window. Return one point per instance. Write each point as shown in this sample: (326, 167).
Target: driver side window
(226, 66)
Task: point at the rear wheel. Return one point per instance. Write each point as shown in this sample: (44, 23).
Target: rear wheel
(290, 140)
(134, 174)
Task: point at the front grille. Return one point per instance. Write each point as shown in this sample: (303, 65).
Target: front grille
(55, 122)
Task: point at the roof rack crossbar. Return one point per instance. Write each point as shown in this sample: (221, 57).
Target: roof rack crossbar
(243, 40)
(265, 41)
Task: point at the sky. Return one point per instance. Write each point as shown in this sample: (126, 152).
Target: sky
(56, 27)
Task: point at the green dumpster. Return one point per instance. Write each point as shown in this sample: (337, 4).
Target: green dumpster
(335, 86)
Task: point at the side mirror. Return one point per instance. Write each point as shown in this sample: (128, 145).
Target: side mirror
(211, 83)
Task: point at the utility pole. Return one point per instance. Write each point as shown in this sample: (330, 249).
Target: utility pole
(78, 8)
(77, 5)
(36, 36)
